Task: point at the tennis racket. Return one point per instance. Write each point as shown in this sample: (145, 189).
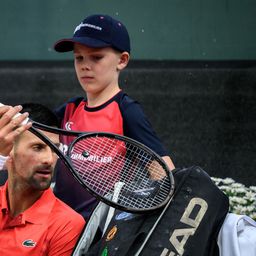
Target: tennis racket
(107, 164)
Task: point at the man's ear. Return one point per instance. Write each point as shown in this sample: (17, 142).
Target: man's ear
(123, 60)
(10, 158)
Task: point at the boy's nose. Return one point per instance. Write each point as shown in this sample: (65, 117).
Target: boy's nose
(86, 65)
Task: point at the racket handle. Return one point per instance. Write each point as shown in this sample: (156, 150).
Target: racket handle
(117, 188)
(18, 114)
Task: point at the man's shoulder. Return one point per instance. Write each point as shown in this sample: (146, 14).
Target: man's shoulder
(63, 212)
(64, 228)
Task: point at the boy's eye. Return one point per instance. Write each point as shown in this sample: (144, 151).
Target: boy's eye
(79, 58)
(97, 57)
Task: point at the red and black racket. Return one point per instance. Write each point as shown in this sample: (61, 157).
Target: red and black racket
(108, 164)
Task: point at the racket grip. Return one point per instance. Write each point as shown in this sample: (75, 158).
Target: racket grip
(18, 114)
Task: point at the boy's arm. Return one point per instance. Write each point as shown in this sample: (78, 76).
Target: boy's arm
(138, 127)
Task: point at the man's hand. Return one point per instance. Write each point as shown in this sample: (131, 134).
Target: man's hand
(11, 127)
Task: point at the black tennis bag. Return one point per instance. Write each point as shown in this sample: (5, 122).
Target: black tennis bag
(189, 225)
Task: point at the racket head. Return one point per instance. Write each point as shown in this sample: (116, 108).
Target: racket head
(121, 172)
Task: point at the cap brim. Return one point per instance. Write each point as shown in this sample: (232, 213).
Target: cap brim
(66, 45)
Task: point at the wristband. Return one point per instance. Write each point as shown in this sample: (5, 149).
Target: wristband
(3, 159)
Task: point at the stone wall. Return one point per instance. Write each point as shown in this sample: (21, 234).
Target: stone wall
(205, 112)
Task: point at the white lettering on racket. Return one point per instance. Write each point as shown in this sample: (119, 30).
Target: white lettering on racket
(92, 158)
(180, 236)
(63, 148)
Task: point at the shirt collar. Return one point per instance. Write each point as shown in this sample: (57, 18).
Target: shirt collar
(38, 212)
(3, 199)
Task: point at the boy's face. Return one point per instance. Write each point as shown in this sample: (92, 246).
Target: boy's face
(97, 69)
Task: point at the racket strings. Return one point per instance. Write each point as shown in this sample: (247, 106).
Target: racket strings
(92, 169)
(140, 197)
(101, 162)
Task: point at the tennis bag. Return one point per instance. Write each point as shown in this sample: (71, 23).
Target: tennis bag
(189, 225)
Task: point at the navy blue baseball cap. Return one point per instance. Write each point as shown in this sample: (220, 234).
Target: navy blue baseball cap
(97, 31)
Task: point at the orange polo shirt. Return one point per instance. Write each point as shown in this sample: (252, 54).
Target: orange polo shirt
(49, 227)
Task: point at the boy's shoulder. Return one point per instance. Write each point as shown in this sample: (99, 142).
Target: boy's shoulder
(75, 101)
(125, 100)
(72, 103)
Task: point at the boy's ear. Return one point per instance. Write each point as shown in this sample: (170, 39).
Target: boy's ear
(123, 61)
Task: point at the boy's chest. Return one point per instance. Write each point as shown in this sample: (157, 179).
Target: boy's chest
(107, 119)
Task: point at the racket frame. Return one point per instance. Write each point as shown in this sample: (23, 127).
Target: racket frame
(106, 200)
(79, 135)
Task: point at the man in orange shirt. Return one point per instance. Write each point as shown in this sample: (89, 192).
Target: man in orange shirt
(32, 220)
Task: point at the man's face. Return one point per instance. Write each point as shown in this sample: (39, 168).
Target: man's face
(33, 162)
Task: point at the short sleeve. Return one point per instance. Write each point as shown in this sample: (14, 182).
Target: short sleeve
(138, 127)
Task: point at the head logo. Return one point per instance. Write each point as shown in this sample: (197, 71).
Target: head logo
(29, 243)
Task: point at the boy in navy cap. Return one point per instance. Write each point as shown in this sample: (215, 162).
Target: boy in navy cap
(101, 47)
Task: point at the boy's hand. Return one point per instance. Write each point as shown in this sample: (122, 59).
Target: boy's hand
(10, 127)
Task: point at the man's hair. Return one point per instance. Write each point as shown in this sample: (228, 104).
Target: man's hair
(41, 114)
